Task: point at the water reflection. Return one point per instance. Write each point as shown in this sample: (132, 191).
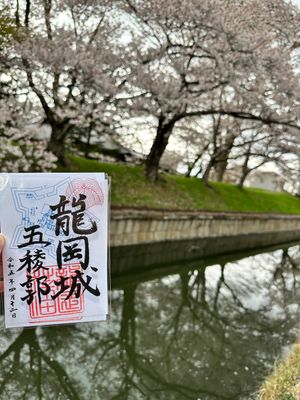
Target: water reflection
(209, 332)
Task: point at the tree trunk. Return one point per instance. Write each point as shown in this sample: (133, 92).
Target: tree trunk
(208, 169)
(222, 160)
(192, 166)
(57, 142)
(243, 177)
(245, 169)
(164, 131)
(220, 168)
(88, 144)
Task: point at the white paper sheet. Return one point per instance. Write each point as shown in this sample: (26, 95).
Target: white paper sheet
(55, 256)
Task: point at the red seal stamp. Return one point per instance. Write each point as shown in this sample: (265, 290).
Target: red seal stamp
(90, 188)
(61, 308)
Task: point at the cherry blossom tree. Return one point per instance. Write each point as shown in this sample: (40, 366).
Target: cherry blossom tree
(64, 64)
(19, 151)
(89, 65)
(263, 146)
(186, 51)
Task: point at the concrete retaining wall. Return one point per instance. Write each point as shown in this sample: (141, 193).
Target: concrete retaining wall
(144, 241)
(131, 227)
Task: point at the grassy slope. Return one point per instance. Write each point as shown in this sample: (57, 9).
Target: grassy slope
(130, 188)
(284, 383)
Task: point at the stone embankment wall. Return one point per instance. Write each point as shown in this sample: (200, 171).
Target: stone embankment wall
(142, 241)
(131, 227)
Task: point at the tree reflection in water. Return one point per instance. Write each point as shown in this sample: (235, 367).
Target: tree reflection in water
(209, 333)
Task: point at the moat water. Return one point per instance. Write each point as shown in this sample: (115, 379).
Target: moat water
(196, 332)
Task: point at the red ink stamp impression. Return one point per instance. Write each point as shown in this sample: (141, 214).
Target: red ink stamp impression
(61, 308)
(90, 188)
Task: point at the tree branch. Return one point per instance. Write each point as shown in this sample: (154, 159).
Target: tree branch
(47, 109)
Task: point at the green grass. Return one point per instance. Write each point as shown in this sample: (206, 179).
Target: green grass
(284, 383)
(131, 188)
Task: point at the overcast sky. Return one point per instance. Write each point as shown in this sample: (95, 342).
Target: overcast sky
(297, 2)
